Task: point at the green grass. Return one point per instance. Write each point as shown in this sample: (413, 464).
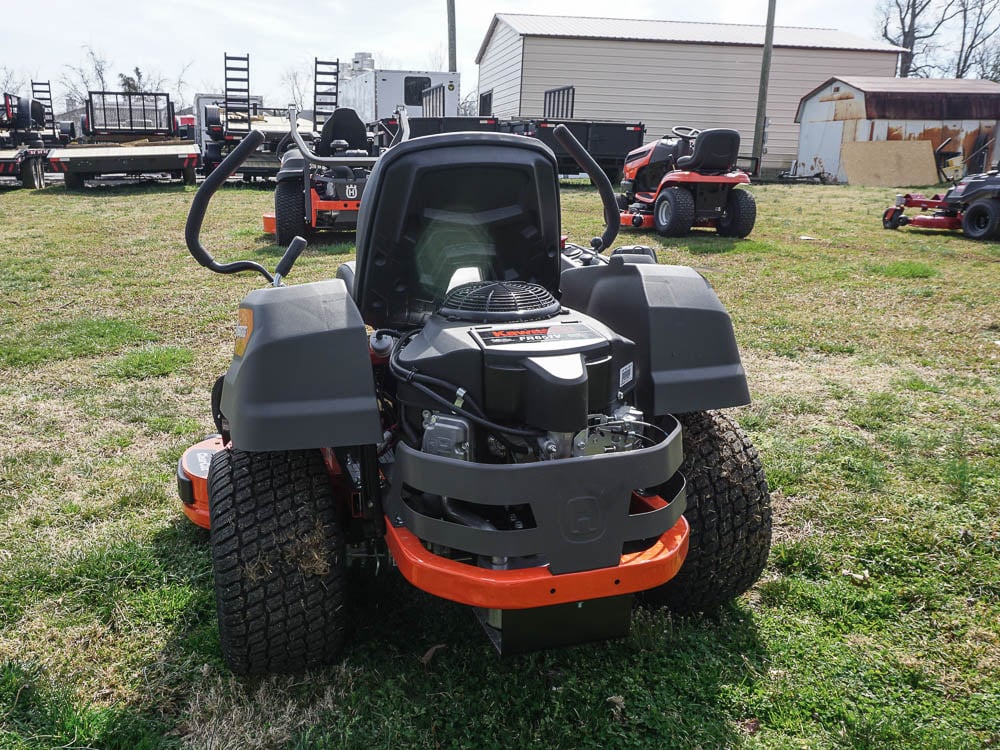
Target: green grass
(873, 361)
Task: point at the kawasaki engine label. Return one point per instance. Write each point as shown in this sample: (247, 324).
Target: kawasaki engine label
(538, 334)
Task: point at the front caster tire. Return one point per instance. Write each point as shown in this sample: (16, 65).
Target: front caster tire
(278, 560)
(673, 212)
(729, 511)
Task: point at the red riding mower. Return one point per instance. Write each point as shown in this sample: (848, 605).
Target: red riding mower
(971, 205)
(673, 186)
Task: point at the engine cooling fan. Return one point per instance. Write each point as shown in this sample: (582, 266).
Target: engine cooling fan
(499, 302)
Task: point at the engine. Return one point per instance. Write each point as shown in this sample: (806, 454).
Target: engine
(503, 373)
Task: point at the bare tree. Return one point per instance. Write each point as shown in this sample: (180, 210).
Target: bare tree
(988, 62)
(297, 85)
(914, 24)
(11, 81)
(979, 22)
(469, 106)
(179, 86)
(88, 75)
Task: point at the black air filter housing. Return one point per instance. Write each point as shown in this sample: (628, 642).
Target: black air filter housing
(499, 302)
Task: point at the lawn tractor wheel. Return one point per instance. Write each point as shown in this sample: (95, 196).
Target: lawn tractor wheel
(891, 218)
(278, 559)
(673, 212)
(981, 220)
(729, 511)
(740, 216)
(289, 211)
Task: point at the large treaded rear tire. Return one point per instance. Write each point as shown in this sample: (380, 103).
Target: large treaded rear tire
(740, 216)
(278, 561)
(673, 212)
(289, 211)
(981, 220)
(729, 511)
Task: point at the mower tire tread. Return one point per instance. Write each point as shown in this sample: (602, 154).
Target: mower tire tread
(981, 220)
(729, 512)
(278, 559)
(677, 220)
(740, 216)
(289, 211)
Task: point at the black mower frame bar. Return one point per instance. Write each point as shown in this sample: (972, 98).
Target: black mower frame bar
(612, 216)
(196, 215)
(324, 161)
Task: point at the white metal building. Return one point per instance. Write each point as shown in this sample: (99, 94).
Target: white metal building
(667, 73)
(958, 115)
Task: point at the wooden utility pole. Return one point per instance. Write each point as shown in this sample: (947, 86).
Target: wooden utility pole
(765, 75)
(452, 56)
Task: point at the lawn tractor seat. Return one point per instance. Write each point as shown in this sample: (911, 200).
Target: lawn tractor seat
(343, 125)
(715, 150)
(450, 208)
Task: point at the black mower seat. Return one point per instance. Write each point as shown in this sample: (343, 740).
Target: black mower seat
(715, 150)
(343, 125)
(449, 206)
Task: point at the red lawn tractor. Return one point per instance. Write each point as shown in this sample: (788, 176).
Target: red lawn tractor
(673, 185)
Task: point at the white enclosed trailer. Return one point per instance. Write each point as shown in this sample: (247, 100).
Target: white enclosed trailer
(375, 94)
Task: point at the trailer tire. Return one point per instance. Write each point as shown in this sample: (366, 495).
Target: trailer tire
(740, 216)
(673, 212)
(289, 211)
(190, 176)
(981, 220)
(278, 561)
(729, 512)
(32, 178)
(74, 180)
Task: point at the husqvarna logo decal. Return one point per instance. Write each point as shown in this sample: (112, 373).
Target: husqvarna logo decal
(351, 192)
(581, 519)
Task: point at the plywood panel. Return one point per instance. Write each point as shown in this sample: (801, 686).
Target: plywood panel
(889, 163)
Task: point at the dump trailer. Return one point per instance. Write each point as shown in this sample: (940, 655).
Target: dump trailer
(607, 140)
(127, 133)
(386, 128)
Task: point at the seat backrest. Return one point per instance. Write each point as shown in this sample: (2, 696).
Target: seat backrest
(715, 150)
(343, 125)
(445, 209)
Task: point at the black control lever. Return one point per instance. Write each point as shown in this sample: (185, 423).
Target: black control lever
(612, 215)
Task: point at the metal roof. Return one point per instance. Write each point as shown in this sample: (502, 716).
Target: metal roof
(921, 98)
(679, 31)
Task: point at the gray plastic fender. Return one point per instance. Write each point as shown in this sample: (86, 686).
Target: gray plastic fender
(304, 378)
(686, 353)
(292, 164)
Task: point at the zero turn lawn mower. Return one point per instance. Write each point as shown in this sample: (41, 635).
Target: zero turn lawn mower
(323, 189)
(972, 206)
(520, 425)
(673, 186)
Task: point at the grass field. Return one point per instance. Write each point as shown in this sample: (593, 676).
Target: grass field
(874, 363)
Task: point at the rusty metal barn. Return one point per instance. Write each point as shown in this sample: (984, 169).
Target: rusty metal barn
(957, 117)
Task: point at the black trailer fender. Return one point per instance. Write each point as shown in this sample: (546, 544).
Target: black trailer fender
(686, 354)
(301, 376)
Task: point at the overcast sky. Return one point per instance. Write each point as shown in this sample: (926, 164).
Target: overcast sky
(162, 36)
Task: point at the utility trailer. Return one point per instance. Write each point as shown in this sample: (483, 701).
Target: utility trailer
(27, 132)
(127, 133)
(607, 140)
(227, 119)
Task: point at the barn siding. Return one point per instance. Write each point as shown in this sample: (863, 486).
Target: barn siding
(500, 71)
(666, 83)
